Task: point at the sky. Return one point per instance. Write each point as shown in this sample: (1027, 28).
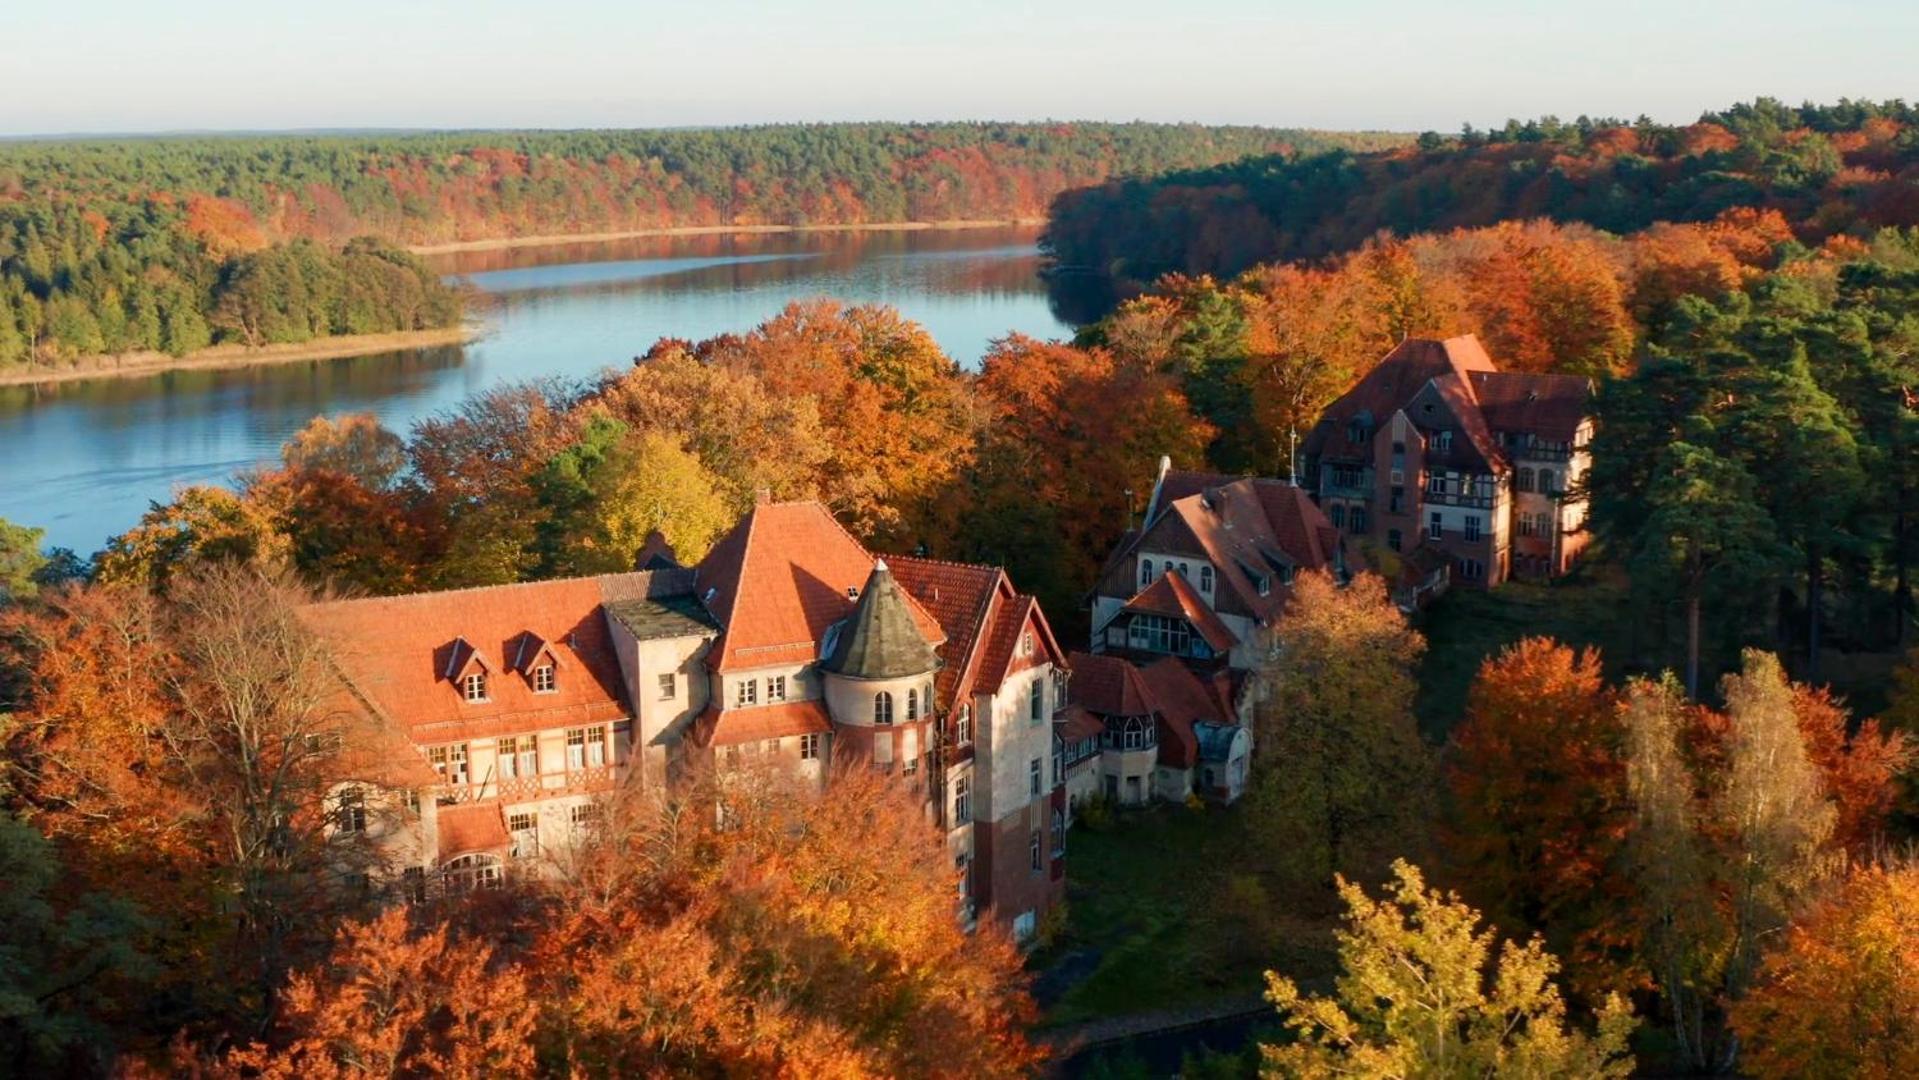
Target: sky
(1405, 65)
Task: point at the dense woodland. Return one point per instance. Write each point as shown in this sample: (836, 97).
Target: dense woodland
(171, 244)
(1681, 851)
(1845, 169)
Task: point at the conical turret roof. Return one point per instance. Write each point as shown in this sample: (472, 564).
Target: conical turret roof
(881, 639)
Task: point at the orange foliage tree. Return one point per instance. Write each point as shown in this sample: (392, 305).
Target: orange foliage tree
(1839, 997)
(1538, 809)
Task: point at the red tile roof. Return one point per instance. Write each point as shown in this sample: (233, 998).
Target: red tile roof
(1074, 722)
(778, 580)
(962, 598)
(1181, 700)
(1108, 686)
(1388, 387)
(398, 655)
(733, 727)
(1172, 596)
(466, 828)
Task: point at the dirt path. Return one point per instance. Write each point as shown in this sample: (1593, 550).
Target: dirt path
(503, 242)
(139, 364)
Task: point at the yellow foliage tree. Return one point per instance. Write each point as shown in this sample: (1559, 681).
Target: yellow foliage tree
(1420, 997)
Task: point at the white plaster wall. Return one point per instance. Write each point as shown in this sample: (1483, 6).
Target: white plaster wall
(1011, 742)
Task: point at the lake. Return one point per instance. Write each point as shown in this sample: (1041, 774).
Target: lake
(88, 457)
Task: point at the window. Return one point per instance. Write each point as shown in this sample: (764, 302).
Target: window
(1036, 848)
(1356, 521)
(912, 704)
(1525, 524)
(1337, 515)
(1436, 483)
(963, 731)
(585, 815)
(1346, 476)
(1443, 441)
(1472, 527)
(507, 750)
(770, 746)
(962, 801)
(1059, 833)
(748, 693)
(1471, 569)
(543, 682)
(1393, 539)
(1436, 527)
(413, 884)
(519, 757)
(1524, 481)
(882, 708)
(1548, 482)
(449, 761)
(1206, 579)
(585, 747)
(1397, 501)
(776, 688)
(1036, 701)
(473, 686)
(1145, 572)
(469, 872)
(352, 810)
(526, 835)
(1033, 774)
(669, 686)
(1131, 733)
(809, 746)
(1543, 525)
(1026, 639)
(1262, 584)
(622, 739)
(1155, 633)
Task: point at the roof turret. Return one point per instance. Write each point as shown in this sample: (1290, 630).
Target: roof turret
(881, 639)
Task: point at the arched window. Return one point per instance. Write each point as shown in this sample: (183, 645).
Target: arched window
(912, 703)
(469, 872)
(1146, 571)
(1525, 480)
(882, 708)
(1205, 579)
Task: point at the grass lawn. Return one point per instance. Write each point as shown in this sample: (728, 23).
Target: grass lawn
(1146, 927)
(1467, 625)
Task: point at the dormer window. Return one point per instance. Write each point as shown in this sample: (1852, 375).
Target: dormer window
(473, 686)
(543, 680)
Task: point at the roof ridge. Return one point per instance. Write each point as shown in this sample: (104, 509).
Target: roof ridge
(499, 586)
(930, 561)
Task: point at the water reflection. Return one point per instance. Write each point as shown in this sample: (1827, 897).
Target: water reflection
(86, 458)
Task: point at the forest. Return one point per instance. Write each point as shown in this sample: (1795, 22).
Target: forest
(1844, 169)
(1699, 865)
(172, 244)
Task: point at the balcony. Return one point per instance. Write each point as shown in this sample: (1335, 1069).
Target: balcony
(527, 788)
(1470, 502)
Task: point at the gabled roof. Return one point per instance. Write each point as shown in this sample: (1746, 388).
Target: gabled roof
(778, 580)
(398, 654)
(735, 727)
(964, 598)
(1388, 387)
(1107, 686)
(881, 639)
(1172, 596)
(1244, 528)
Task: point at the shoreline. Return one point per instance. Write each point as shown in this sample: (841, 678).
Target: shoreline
(503, 243)
(226, 357)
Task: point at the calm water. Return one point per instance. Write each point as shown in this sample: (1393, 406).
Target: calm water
(85, 459)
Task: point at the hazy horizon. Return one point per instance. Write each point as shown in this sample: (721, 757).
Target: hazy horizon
(216, 66)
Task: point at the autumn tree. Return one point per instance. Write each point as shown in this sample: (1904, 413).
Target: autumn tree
(354, 445)
(200, 525)
(391, 999)
(1420, 994)
(607, 492)
(1537, 810)
(1839, 995)
(1341, 760)
(794, 932)
(20, 560)
(1862, 765)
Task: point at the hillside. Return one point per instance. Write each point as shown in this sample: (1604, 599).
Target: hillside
(108, 246)
(1850, 169)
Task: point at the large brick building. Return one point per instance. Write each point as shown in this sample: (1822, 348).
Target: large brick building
(1459, 468)
(788, 643)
